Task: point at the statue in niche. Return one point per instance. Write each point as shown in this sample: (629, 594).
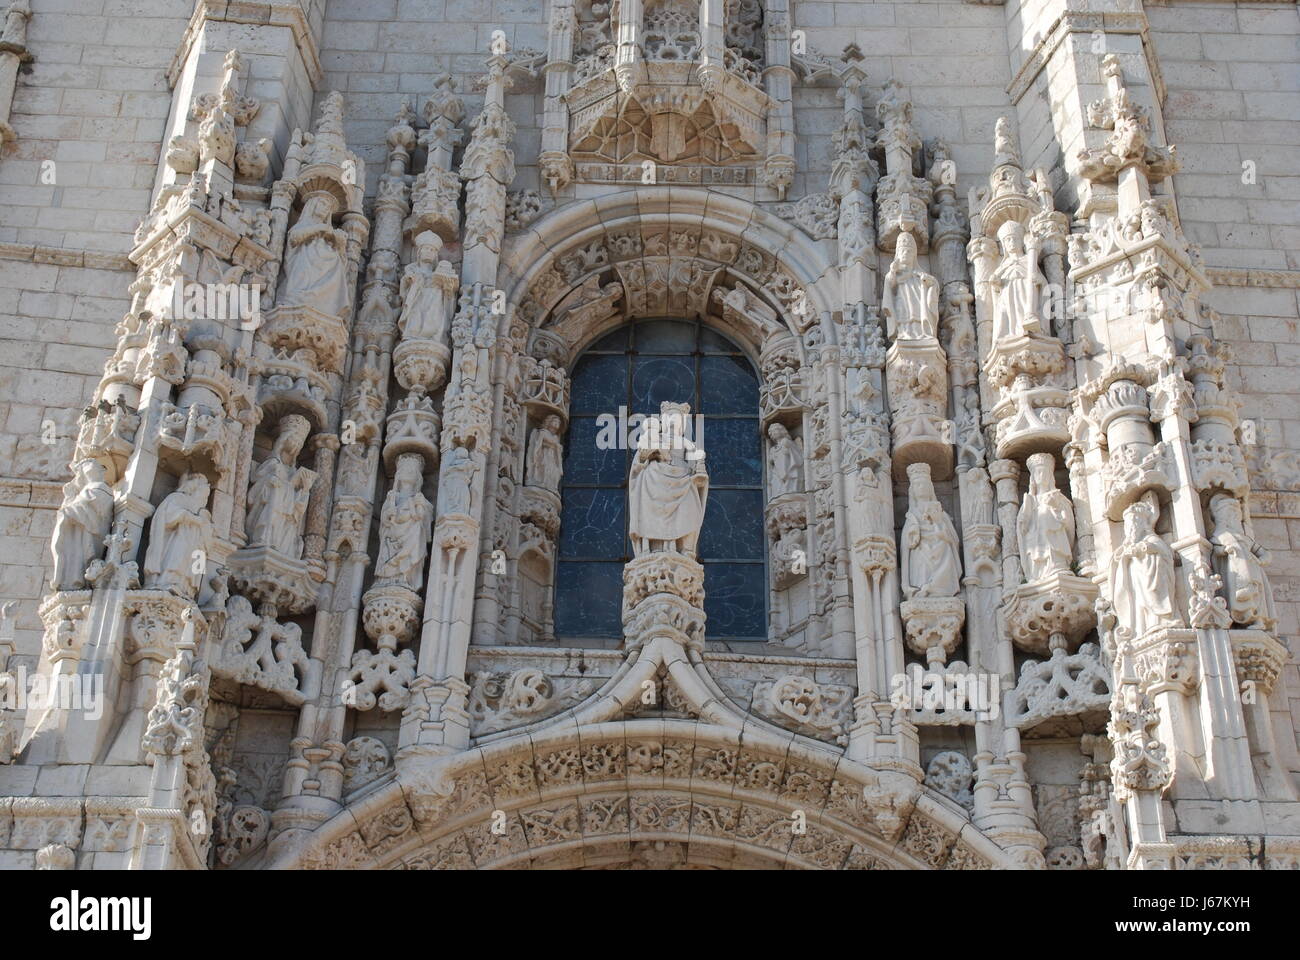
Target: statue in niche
(1045, 525)
(668, 486)
(784, 462)
(404, 525)
(179, 535)
(1142, 574)
(455, 489)
(1016, 283)
(81, 526)
(910, 301)
(977, 495)
(277, 499)
(931, 564)
(545, 455)
(424, 311)
(316, 269)
(1239, 561)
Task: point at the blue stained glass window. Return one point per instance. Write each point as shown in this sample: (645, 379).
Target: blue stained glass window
(637, 367)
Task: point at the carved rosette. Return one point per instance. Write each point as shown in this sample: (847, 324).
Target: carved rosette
(663, 595)
(1053, 613)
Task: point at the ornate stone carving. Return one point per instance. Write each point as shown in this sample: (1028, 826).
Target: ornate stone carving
(668, 486)
(498, 701)
(930, 555)
(82, 524)
(1142, 575)
(180, 536)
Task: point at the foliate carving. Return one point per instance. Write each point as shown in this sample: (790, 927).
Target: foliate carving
(1166, 660)
(499, 701)
(950, 774)
(365, 760)
(1056, 611)
(816, 214)
(1129, 142)
(1140, 761)
(522, 208)
(819, 710)
(1066, 685)
(257, 650)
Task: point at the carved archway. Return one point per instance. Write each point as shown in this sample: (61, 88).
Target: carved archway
(671, 251)
(597, 796)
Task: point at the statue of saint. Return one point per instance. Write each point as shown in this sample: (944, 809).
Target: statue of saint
(1016, 283)
(1142, 574)
(455, 488)
(179, 535)
(316, 269)
(1045, 525)
(931, 562)
(910, 301)
(424, 307)
(784, 462)
(669, 487)
(545, 455)
(81, 526)
(1239, 561)
(404, 525)
(277, 499)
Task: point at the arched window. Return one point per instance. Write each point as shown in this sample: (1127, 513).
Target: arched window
(633, 370)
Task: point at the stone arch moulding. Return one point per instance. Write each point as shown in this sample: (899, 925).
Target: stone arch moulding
(546, 262)
(592, 787)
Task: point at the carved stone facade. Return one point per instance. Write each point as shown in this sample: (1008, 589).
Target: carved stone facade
(682, 434)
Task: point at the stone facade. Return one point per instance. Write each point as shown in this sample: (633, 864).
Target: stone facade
(990, 310)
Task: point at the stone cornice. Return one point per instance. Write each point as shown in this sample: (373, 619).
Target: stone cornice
(1249, 277)
(289, 15)
(63, 257)
(36, 494)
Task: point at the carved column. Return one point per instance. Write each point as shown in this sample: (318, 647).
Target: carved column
(437, 722)
(554, 162)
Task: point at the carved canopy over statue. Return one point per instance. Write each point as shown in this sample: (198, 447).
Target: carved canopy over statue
(910, 301)
(179, 536)
(669, 486)
(277, 499)
(931, 564)
(82, 524)
(1045, 525)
